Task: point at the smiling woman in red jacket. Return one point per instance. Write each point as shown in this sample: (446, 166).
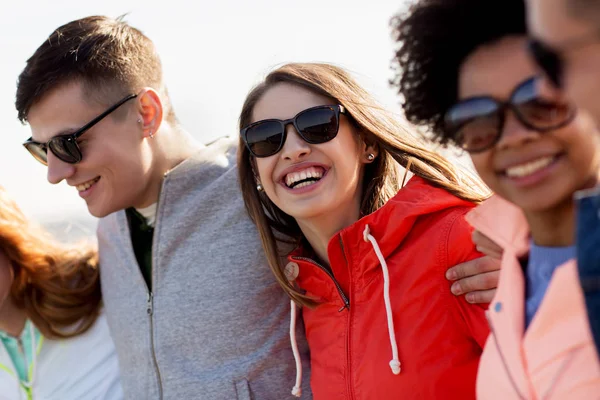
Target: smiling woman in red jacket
(323, 166)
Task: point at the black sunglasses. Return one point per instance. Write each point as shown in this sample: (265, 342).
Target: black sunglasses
(65, 147)
(551, 59)
(476, 124)
(315, 125)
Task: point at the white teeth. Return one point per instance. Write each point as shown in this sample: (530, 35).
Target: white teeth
(520, 171)
(86, 185)
(297, 176)
(303, 184)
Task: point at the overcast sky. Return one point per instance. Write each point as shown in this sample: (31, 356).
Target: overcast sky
(212, 52)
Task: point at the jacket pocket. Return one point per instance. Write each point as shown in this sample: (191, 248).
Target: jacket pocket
(242, 388)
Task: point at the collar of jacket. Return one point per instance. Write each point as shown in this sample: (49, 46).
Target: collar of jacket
(502, 222)
(353, 261)
(559, 316)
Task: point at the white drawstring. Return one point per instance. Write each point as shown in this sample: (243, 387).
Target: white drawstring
(296, 390)
(395, 362)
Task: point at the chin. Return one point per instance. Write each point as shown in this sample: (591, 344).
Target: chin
(540, 203)
(304, 213)
(97, 213)
(101, 211)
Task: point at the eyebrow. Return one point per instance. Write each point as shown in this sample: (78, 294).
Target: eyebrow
(65, 132)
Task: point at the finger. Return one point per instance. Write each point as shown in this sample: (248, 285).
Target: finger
(494, 253)
(483, 241)
(473, 267)
(485, 281)
(482, 296)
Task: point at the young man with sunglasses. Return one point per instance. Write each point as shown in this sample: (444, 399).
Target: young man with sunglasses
(566, 46)
(192, 305)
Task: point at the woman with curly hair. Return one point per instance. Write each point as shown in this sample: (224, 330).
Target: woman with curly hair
(465, 73)
(54, 340)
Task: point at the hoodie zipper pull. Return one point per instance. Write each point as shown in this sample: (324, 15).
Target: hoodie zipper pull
(150, 304)
(346, 305)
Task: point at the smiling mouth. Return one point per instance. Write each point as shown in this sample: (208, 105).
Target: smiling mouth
(529, 168)
(303, 178)
(86, 185)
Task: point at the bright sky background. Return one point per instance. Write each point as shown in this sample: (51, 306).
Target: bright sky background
(212, 52)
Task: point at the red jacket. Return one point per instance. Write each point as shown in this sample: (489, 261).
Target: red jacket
(421, 233)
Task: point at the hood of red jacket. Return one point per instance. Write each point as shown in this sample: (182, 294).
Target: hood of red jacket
(389, 225)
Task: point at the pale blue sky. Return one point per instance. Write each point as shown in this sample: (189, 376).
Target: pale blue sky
(212, 55)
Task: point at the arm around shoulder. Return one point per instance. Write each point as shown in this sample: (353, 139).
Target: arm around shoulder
(459, 248)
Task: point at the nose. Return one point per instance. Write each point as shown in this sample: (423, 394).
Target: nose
(294, 148)
(515, 134)
(58, 169)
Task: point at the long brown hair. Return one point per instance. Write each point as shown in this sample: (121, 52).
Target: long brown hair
(382, 178)
(57, 285)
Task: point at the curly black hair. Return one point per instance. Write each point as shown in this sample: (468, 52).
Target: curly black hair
(433, 39)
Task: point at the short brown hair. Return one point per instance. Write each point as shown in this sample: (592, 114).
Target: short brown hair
(108, 56)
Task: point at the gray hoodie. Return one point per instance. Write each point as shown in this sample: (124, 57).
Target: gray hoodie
(216, 325)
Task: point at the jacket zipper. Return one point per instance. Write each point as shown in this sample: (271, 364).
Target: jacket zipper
(346, 306)
(335, 282)
(348, 333)
(150, 310)
(150, 304)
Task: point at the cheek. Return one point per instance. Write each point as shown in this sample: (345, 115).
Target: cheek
(583, 148)
(6, 278)
(99, 153)
(264, 169)
(484, 166)
(121, 159)
(581, 76)
(345, 151)
(582, 132)
(115, 146)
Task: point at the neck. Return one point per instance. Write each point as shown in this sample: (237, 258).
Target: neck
(555, 227)
(318, 231)
(12, 318)
(170, 147)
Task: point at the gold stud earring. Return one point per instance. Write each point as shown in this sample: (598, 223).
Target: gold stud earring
(260, 187)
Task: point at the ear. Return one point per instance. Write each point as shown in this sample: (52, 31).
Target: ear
(369, 152)
(150, 109)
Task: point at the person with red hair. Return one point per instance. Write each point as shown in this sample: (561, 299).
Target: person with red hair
(50, 315)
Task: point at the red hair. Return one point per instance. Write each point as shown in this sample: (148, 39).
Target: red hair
(57, 285)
